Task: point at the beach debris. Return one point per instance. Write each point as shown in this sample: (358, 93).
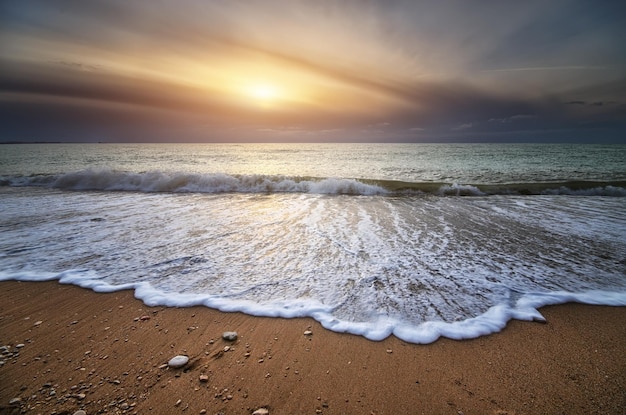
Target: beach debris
(178, 361)
(261, 411)
(229, 336)
(308, 333)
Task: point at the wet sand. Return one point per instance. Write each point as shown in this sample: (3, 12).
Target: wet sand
(107, 353)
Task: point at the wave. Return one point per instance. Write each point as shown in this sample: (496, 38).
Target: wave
(493, 320)
(161, 182)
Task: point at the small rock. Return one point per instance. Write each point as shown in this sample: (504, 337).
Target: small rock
(204, 378)
(37, 323)
(15, 401)
(308, 332)
(389, 351)
(261, 411)
(80, 412)
(203, 411)
(144, 318)
(19, 346)
(178, 361)
(226, 348)
(178, 402)
(81, 396)
(229, 336)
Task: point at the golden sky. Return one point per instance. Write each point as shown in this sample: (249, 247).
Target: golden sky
(311, 70)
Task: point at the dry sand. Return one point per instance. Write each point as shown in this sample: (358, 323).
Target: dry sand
(83, 350)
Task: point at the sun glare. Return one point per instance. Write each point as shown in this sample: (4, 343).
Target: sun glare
(264, 92)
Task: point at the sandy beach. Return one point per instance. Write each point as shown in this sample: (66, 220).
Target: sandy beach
(70, 349)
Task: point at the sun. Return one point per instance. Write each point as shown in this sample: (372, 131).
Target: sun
(263, 94)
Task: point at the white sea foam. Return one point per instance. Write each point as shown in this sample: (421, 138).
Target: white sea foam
(456, 189)
(105, 179)
(157, 181)
(491, 321)
(417, 268)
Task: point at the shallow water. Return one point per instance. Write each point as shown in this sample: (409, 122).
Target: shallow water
(356, 255)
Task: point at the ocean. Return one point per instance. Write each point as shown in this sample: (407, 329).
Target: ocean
(413, 240)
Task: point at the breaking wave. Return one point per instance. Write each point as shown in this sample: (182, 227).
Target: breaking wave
(163, 182)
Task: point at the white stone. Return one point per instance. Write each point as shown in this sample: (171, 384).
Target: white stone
(80, 412)
(178, 361)
(230, 336)
(308, 332)
(261, 411)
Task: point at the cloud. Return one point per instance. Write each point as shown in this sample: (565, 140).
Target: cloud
(513, 118)
(454, 69)
(462, 127)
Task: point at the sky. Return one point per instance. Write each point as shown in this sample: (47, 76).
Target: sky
(314, 70)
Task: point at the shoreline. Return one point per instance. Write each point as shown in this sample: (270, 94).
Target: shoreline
(104, 353)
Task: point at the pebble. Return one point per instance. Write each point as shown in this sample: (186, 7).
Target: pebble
(261, 411)
(178, 361)
(308, 332)
(15, 401)
(229, 336)
(204, 378)
(80, 412)
(37, 323)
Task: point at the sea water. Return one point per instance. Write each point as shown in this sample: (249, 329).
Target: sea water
(419, 241)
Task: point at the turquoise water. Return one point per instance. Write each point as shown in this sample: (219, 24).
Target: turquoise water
(452, 163)
(374, 240)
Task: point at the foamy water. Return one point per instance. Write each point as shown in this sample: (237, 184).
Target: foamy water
(374, 256)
